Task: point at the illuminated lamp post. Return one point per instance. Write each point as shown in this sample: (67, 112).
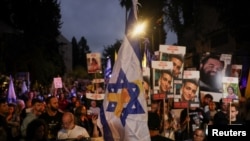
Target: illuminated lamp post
(139, 31)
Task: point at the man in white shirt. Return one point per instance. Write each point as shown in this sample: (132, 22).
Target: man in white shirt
(70, 130)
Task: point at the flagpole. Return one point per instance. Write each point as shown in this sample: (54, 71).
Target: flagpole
(230, 122)
(163, 116)
(95, 84)
(188, 126)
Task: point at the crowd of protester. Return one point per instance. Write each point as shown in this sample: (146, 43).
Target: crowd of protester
(193, 122)
(70, 115)
(59, 115)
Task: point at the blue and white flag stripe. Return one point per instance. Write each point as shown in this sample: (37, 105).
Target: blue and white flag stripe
(108, 69)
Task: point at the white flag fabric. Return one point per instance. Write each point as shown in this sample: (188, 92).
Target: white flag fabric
(24, 87)
(11, 98)
(124, 113)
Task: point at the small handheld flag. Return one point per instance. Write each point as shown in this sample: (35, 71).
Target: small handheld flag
(11, 98)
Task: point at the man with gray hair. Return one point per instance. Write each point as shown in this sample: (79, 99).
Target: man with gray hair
(70, 130)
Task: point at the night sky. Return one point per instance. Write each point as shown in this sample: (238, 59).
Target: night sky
(101, 22)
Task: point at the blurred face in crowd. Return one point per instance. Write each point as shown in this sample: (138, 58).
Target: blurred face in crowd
(224, 107)
(199, 135)
(146, 89)
(4, 108)
(189, 91)
(177, 64)
(38, 108)
(11, 109)
(93, 103)
(233, 113)
(28, 104)
(212, 106)
(84, 110)
(165, 82)
(61, 96)
(20, 105)
(40, 132)
(53, 104)
(43, 107)
(73, 99)
(206, 100)
(31, 95)
(68, 121)
(154, 107)
(77, 103)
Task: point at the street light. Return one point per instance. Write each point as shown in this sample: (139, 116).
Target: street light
(139, 29)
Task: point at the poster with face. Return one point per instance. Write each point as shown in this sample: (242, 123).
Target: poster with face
(230, 89)
(236, 70)
(176, 55)
(98, 85)
(188, 89)
(162, 77)
(98, 91)
(94, 62)
(212, 69)
(192, 77)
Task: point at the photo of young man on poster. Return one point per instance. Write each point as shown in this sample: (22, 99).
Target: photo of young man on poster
(176, 55)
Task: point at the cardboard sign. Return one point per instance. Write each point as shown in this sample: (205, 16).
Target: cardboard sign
(58, 82)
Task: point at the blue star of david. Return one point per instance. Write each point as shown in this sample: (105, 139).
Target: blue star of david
(133, 106)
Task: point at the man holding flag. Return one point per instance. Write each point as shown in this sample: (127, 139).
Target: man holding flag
(124, 112)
